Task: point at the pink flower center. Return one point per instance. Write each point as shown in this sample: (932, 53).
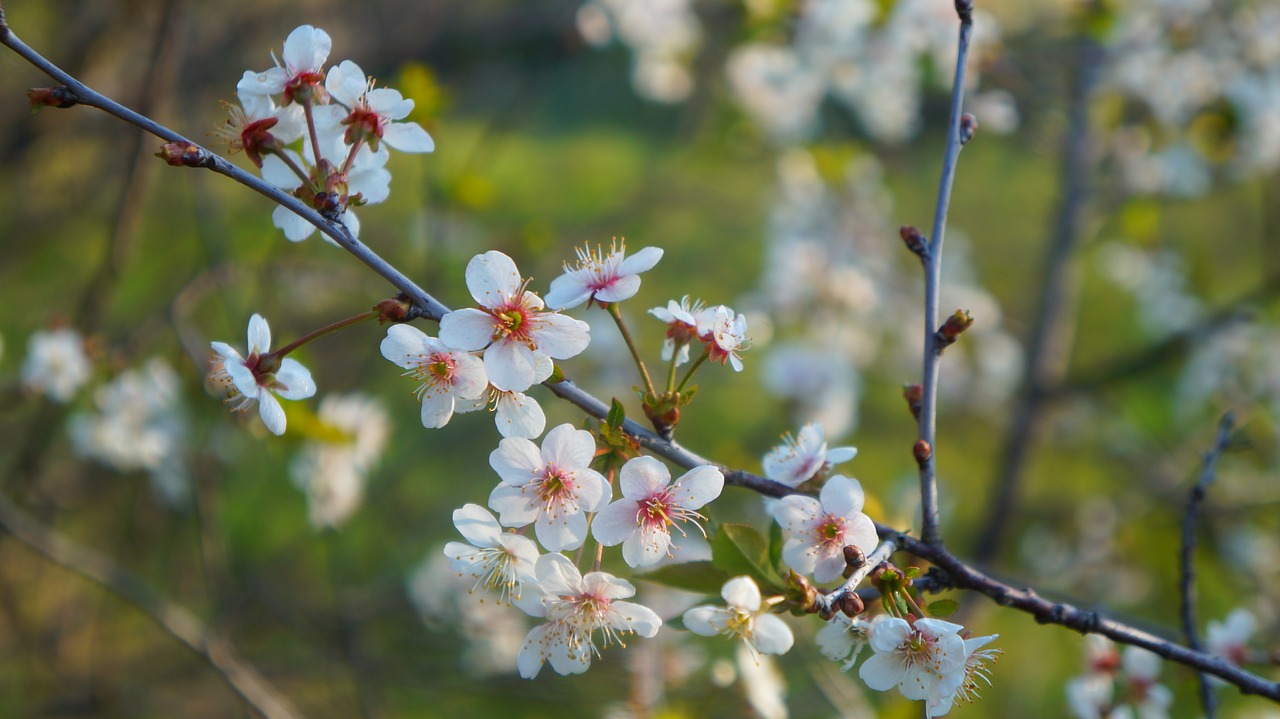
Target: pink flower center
(830, 532)
(658, 511)
(555, 488)
(513, 321)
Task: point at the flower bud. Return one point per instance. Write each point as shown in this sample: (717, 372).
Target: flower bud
(60, 97)
(914, 395)
(951, 330)
(968, 127)
(182, 154)
(851, 604)
(853, 557)
(914, 240)
(922, 451)
(396, 309)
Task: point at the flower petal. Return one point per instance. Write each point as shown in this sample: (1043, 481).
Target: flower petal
(842, 496)
(615, 523)
(643, 477)
(565, 447)
(772, 635)
(437, 407)
(742, 592)
(404, 345)
(698, 486)
(408, 137)
(346, 83)
(467, 329)
(293, 381)
(272, 413)
(560, 336)
(509, 365)
(259, 335)
(519, 415)
(477, 525)
(516, 460)
(492, 279)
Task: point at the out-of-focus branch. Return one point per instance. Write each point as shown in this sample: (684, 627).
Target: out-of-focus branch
(1187, 581)
(1049, 344)
(933, 289)
(183, 625)
(172, 617)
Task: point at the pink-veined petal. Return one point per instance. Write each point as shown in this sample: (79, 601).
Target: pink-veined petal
(615, 523)
(467, 329)
(643, 477)
(565, 446)
(293, 381)
(623, 288)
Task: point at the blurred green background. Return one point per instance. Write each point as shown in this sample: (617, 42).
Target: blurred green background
(542, 145)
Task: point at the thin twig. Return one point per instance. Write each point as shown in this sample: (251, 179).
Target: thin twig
(1188, 580)
(171, 616)
(933, 288)
(881, 555)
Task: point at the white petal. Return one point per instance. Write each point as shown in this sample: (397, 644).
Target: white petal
(467, 329)
(615, 523)
(566, 531)
(437, 408)
(516, 460)
(492, 278)
(772, 635)
(842, 496)
(346, 83)
(594, 493)
(470, 380)
(882, 671)
(293, 381)
(403, 345)
(278, 174)
(636, 618)
(795, 512)
(477, 525)
(513, 508)
(558, 575)
(698, 486)
(742, 592)
(259, 335)
(509, 365)
(294, 227)
(519, 415)
(566, 291)
(862, 533)
(561, 337)
(568, 448)
(705, 620)
(408, 137)
(272, 413)
(529, 661)
(307, 48)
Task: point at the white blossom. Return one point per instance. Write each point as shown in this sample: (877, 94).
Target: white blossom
(798, 460)
(333, 467)
(816, 531)
(745, 616)
(651, 505)
(601, 277)
(498, 561)
(56, 364)
(925, 661)
(248, 380)
(443, 375)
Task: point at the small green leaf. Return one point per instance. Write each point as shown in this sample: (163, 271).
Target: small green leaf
(943, 608)
(911, 572)
(617, 415)
(740, 549)
(701, 577)
(557, 374)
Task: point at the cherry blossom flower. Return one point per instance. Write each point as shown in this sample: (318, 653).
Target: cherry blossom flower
(305, 52)
(1090, 696)
(746, 617)
(372, 115)
(333, 466)
(56, 364)
(511, 325)
(367, 177)
(843, 638)
(925, 661)
(1229, 638)
(601, 277)
(498, 561)
(975, 670)
(258, 126)
(725, 333)
(258, 377)
(816, 531)
(682, 327)
(798, 460)
(552, 487)
(443, 375)
(651, 504)
(1142, 667)
(575, 607)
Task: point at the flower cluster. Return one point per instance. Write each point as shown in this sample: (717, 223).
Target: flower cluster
(344, 123)
(56, 364)
(1117, 685)
(345, 446)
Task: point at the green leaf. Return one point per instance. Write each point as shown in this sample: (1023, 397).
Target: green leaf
(557, 374)
(617, 415)
(911, 572)
(701, 577)
(943, 608)
(740, 549)
(775, 549)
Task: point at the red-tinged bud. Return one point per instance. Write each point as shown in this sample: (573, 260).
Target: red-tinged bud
(951, 330)
(182, 154)
(851, 604)
(914, 240)
(396, 309)
(853, 557)
(968, 127)
(257, 140)
(914, 395)
(365, 125)
(922, 451)
(60, 97)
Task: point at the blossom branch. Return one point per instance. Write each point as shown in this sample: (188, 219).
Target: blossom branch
(1188, 574)
(829, 602)
(172, 617)
(933, 286)
(425, 304)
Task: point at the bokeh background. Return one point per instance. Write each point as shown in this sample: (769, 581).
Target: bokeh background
(772, 149)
